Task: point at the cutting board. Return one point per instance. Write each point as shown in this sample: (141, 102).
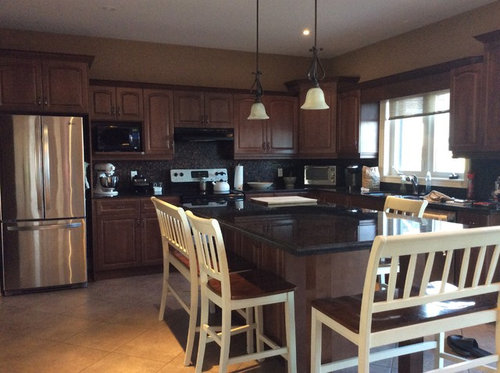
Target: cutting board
(285, 201)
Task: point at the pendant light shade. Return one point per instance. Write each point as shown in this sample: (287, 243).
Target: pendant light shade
(315, 97)
(258, 111)
(315, 100)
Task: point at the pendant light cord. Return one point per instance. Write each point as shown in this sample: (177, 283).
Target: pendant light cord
(257, 85)
(316, 70)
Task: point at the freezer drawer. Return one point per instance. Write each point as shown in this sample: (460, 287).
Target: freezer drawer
(43, 254)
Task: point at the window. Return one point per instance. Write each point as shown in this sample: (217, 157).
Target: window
(414, 134)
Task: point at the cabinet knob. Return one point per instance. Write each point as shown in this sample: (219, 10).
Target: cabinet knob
(39, 100)
(264, 145)
(118, 110)
(112, 110)
(46, 102)
(207, 121)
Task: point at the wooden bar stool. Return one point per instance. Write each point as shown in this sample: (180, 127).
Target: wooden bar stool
(233, 291)
(178, 251)
(419, 308)
(404, 207)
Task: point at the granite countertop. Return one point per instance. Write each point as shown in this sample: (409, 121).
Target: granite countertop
(451, 206)
(324, 228)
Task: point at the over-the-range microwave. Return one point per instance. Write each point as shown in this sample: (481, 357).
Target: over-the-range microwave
(117, 137)
(320, 175)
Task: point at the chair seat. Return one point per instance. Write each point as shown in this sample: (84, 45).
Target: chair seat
(235, 262)
(346, 311)
(252, 284)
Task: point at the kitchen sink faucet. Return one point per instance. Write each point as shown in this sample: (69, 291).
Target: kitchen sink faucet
(414, 183)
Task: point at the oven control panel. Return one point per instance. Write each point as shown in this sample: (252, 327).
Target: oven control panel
(186, 175)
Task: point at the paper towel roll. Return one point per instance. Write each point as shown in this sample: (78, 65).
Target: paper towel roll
(238, 177)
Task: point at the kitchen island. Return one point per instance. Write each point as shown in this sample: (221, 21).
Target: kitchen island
(322, 249)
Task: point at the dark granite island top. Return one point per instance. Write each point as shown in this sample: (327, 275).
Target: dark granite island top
(322, 249)
(319, 229)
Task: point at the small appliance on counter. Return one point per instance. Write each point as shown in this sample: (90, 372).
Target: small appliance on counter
(320, 175)
(353, 178)
(141, 185)
(207, 187)
(106, 180)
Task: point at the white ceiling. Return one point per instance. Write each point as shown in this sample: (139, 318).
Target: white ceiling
(343, 25)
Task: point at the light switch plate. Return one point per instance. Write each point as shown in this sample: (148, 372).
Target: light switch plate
(280, 172)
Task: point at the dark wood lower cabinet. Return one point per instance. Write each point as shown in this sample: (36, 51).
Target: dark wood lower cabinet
(127, 237)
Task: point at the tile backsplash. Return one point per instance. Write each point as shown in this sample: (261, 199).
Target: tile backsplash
(220, 155)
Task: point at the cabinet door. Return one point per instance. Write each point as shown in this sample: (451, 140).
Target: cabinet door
(65, 86)
(282, 126)
(20, 84)
(348, 124)
(129, 104)
(465, 109)
(189, 109)
(317, 128)
(158, 123)
(117, 234)
(249, 135)
(152, 252)
(219, 110)
(102, 102)
(492, 136)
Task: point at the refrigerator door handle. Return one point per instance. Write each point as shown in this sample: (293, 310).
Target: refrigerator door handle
(46, 162)
(44, 227)
(39, 165)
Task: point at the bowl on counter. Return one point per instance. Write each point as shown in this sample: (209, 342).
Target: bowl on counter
(259, 185)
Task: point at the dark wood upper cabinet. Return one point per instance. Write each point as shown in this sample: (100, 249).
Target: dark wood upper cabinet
(116, 103)
(466, 109)
(203, 109)
(159, 123)
(348, 124)
(492, 90)
(275, 137)
(39, 82)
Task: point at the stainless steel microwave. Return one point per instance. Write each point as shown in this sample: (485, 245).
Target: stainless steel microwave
(320, 175)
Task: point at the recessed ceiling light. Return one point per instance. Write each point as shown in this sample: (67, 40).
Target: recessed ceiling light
(108, 8)
(306, 32)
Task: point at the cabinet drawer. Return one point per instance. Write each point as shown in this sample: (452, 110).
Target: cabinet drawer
(117, 206)
(472, 219)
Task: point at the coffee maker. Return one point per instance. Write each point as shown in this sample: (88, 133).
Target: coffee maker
(353, 178)
(105, 180)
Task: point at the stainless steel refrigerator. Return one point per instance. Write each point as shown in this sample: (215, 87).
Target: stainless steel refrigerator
(42, 200)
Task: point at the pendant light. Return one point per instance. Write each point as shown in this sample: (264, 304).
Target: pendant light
(315, 98)
(258, 111)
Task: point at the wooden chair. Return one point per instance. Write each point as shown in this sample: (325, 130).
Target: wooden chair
(414, 311)
(178, 250)
(399, 206)
(233, 291)
(407, 207)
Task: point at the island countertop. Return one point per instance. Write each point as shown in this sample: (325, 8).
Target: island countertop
(318, 229)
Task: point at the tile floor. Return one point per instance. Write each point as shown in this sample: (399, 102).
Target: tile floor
(112, 326)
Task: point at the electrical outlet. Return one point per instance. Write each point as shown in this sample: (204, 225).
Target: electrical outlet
(132, 174)
(280, 172)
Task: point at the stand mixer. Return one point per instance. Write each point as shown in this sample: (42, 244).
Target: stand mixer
(105, 180)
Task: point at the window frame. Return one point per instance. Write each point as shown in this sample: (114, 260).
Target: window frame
(386, 172)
